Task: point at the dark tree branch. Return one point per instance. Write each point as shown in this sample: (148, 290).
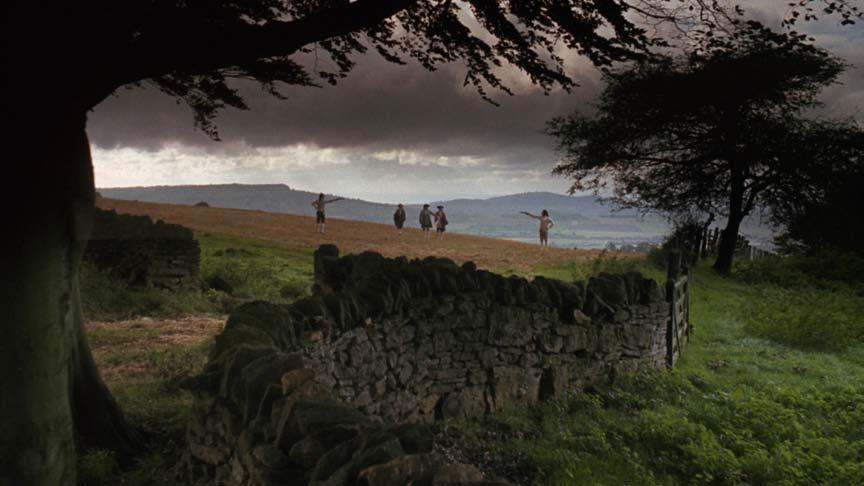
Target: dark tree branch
(218, 46)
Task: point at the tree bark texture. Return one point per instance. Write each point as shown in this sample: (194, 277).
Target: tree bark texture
(47, 376)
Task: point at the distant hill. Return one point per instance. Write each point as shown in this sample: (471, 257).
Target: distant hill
(276, 198)
(581, 221)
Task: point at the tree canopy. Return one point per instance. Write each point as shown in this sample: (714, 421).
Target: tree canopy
(720, 130)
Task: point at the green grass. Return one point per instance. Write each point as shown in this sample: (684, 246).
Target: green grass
(253, 269)
(769, 390)
(838, 271)
(149, 392)
(605, 262)
(156, 405)
(740, 408)
(106, 299)
(256, 269)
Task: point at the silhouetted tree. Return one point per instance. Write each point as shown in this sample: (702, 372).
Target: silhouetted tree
(719, 131)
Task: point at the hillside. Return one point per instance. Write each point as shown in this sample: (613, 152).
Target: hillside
(292, 231)
(768, 391)
(582, 221)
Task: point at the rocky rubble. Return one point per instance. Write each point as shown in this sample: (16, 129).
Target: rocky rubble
(337, 389)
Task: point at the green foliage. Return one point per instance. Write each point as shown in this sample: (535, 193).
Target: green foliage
(604, 262)
(158, 406)
(826, 271)
(808, 318)
(672, 132)
(721, 130)
(255, 269)
(104, 298)
(740, 408)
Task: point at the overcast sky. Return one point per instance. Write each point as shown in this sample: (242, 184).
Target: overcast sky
(386, 133)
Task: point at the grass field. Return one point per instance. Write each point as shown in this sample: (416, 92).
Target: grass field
(770, 390)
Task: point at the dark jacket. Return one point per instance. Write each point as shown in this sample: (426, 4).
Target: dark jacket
(425, 218)
(399, 217)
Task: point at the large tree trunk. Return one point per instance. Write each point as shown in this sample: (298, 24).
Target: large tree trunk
(729, 236)
(46, 373)
(99, 422)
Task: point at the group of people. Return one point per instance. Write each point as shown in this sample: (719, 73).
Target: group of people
(427, 219)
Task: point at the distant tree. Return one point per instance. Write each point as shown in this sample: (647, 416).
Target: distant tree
(718, 131)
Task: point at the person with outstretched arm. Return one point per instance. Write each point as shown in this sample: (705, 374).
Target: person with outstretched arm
(319, 205)
(546, 224)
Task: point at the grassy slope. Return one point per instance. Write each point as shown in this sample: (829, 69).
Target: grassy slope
(739, 409)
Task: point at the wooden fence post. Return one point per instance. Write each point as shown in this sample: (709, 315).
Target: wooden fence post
(688, 289)
(672, 271)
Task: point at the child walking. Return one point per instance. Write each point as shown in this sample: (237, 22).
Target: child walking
(546, 224)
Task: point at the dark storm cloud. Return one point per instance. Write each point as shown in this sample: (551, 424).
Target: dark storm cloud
(379, 107)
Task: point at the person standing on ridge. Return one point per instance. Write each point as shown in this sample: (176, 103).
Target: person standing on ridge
(319, 205)
(425, 220)
(546, 224)
(399, 217)
(441, 222)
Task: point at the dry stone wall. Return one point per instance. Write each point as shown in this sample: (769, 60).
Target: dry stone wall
(314, 392)
(143, 253)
